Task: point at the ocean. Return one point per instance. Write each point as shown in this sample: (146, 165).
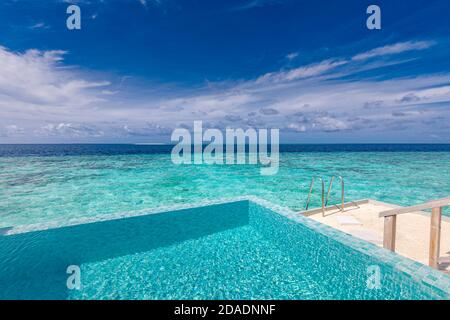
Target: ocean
(51, 183)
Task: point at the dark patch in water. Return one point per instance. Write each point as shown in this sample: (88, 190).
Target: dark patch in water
(23, 150)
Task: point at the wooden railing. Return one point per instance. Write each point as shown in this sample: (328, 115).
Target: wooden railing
(390, 226)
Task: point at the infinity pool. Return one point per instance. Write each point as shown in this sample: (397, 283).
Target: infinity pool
(232, 250)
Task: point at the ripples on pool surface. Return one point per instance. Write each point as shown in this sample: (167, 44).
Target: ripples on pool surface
(237, 250)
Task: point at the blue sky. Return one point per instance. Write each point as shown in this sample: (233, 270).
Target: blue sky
(138, 69)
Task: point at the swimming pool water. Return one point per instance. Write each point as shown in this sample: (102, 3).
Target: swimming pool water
(39, 189)
(236, 250)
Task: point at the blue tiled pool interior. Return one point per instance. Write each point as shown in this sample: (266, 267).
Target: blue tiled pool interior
(234, 250)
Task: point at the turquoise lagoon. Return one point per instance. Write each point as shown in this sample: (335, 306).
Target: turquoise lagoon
(39, 189)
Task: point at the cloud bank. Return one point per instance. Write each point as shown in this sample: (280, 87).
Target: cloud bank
(43, 99)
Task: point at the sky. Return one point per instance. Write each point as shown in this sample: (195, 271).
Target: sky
(138, 69)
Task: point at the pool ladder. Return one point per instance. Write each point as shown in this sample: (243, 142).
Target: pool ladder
(325, 200)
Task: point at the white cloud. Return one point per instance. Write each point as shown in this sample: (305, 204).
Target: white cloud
(297, 127)
(36, 78)
(39, 25)
(11, 130)
(329, 124)
(394, 49)
(251, 4)
(301, 72)
(154, 2)
(292, 56)
(70, 130)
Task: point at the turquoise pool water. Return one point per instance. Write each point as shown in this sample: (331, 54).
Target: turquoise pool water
(37, 189)
(237, 250)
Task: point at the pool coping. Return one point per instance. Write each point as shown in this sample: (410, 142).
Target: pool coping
(418, 271)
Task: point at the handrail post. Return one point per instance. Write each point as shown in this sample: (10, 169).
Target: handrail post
(329, 190)
(390, 226)
(323, 198)
(309, 194)
(435, 237)
(342, 193)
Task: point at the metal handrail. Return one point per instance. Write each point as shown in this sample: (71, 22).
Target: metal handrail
(329, 190)
(310, 192)
(311, 186)
(325, 200)
(341, 178)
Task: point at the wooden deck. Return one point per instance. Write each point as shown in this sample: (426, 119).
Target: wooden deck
(361, 219)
